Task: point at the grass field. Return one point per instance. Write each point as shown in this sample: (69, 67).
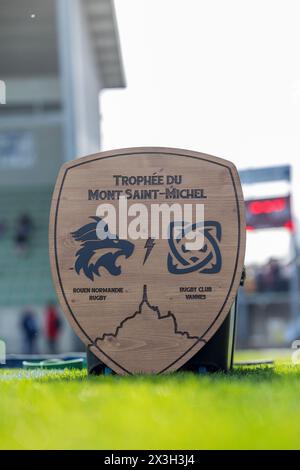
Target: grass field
(248, 408)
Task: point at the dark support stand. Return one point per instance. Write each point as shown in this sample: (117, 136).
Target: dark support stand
(216, 355)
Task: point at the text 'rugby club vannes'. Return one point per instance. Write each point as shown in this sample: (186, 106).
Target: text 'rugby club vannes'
(146, 305)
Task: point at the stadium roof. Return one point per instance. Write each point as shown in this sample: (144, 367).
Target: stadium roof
(104, 30)
(29, 44)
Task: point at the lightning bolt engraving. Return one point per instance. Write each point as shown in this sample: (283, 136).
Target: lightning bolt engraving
(149, 245)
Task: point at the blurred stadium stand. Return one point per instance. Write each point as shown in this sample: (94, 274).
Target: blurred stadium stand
(269, 303)
(25, 279)
(55, 58)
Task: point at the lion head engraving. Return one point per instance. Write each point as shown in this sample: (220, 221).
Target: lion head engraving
(93, 247)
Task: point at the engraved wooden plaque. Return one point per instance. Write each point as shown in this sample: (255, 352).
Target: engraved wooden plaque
(146, 305)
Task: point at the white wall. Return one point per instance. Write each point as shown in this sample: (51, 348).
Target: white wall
(47, 157)
(32, 90)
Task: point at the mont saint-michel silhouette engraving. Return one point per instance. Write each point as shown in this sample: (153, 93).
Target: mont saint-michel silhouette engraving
(148, 320)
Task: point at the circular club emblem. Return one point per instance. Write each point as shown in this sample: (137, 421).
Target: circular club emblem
(147, 251)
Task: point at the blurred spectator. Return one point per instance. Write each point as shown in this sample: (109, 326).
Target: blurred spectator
(53, 327)
(23, 232)
(271, 277)
(30, 331)
(260, 280)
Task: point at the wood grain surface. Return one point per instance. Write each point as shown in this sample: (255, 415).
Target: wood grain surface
(143, 314)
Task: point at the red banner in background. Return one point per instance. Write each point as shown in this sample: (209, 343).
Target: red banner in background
(269, 213)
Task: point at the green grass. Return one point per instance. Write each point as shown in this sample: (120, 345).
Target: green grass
(252, 407)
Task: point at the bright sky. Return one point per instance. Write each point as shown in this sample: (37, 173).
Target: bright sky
(218, 77)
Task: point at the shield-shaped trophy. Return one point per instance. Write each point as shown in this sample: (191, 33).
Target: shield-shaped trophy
(147, 252)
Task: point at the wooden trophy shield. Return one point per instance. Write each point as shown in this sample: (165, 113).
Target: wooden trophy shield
(146, 305)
